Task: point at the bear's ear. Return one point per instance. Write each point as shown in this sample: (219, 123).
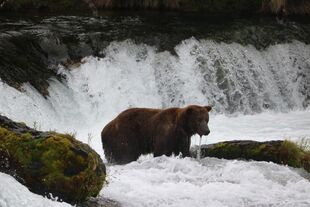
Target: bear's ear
(189, 110)
(209, 108)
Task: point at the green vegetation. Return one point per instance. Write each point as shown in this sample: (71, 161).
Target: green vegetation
(281, 152)
(294, 155)
(56, 164)
(304, 144)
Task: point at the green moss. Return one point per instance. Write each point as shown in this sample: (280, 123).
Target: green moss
(232, 150)
(281, 152)
(58, 164)
(306, 161)
(290, 154)
(220, 145)
(225, 150)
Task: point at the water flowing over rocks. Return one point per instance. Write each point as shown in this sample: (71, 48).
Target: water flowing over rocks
(66, 40)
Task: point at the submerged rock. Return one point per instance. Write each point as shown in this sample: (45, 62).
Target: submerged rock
(99, 202)
(281, 152)
(49, 163)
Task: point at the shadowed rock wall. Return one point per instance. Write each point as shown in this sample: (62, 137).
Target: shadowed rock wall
(280, 7)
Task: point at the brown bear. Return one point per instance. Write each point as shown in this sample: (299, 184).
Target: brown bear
(139, 131)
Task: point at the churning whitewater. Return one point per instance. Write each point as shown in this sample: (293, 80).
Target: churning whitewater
(164, 181)
(256, 94)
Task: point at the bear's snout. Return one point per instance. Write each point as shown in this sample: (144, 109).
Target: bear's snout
(203, 128)
(207, 132)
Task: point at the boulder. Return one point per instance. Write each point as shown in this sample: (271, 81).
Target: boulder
(281, 152)
(49, 163)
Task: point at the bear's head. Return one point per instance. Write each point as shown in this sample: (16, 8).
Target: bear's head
(197, 119)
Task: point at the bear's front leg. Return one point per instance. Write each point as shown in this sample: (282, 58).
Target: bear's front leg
(163, 146)
(185, 143)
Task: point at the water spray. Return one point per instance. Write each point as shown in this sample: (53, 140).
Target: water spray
(199, 149)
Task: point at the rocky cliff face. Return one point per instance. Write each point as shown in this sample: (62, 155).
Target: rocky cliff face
(287, 7)
(43, 5)
(279, 7)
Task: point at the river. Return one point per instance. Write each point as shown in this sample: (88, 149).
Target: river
(74, 74)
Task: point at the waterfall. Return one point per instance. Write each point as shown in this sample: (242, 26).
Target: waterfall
(234, 79)
(230, 77)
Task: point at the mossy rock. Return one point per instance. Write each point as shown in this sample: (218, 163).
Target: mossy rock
(49, 163)
(281, 152)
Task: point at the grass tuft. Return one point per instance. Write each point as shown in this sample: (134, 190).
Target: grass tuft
(296, 154)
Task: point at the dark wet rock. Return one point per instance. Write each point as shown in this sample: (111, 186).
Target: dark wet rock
(278, 7)
(22, 60)
(44, 5)
(281, 152)
(20, 128)
(49, 163)
(99, 202)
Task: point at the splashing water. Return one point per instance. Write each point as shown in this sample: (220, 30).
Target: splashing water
(171, 181)
(235, 79)
(199, 149)
(14, 194)
(231, 77)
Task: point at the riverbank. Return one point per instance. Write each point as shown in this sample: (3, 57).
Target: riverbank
(281, 8)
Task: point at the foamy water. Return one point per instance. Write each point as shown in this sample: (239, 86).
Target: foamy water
(171, 181)
(270, 86)
(14, 194)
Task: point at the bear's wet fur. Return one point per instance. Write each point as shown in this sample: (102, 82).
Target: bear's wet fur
(138, 131)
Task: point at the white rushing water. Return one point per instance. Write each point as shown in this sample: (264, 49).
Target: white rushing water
(165, 181)
(270, 86)
(14, 194)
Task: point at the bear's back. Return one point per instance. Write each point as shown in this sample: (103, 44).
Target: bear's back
(137, 114)
(130, 118)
